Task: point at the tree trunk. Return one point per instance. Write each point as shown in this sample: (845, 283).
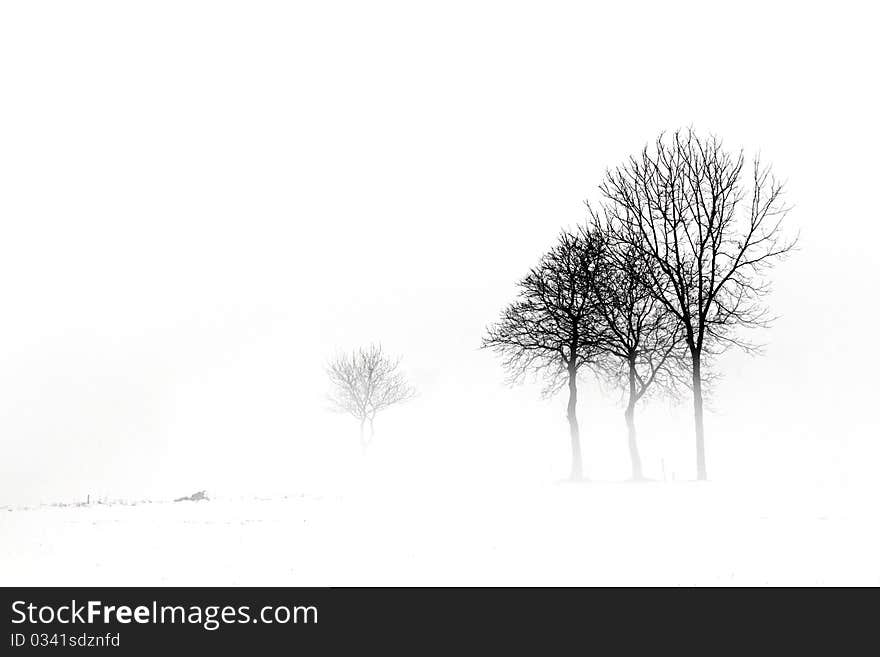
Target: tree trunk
(577, 466)
(372, 429)
(698, 416)
(634, 456)
(363, 437)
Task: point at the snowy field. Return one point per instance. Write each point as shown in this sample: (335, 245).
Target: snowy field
(559, 534)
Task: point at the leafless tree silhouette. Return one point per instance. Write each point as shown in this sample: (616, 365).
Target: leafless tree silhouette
(551, 330)
(642, 338)
(365, 382)
(711, 227)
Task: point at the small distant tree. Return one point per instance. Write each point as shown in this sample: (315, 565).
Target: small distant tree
(365, 382)
(552, 329)
(712, 228)
(641, 337)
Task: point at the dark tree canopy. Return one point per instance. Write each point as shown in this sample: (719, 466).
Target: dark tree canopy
(639, 333)
(710, 227)
(552, 327)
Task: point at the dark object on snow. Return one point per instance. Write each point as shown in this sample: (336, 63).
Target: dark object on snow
(195, 497)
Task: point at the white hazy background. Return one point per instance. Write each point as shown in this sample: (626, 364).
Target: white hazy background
(202, 201)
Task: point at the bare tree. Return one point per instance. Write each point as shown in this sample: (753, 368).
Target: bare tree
(551, 329)
(641, 336)
(712, 228)
(365, 382)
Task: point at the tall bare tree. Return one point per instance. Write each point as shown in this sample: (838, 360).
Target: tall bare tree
(642, 338)
(551, 330)
(365, 382)
(712, 227)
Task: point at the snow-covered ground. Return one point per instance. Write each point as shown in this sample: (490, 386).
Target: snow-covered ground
(556, 534)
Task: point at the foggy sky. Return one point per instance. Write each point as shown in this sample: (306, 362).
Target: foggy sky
(202, 201)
